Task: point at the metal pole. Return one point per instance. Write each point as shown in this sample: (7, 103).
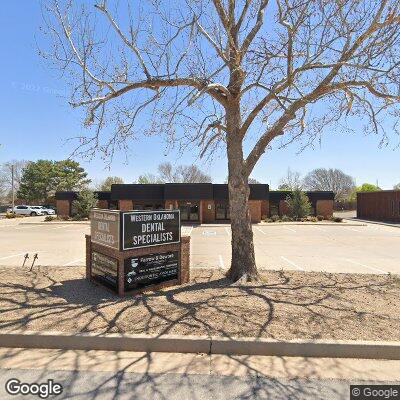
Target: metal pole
(12, 187)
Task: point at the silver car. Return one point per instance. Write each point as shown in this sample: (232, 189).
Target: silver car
(26, 210)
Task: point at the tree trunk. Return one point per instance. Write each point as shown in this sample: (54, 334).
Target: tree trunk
(243, 265)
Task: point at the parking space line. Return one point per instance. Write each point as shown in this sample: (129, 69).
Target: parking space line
(221, 262)
(319, 228)
(256, 227)
(352, 229)
(73, 262)
(292, 263)
(14, 255)
(367, 266)
(60, 227)
(227, 231)
(289, 229)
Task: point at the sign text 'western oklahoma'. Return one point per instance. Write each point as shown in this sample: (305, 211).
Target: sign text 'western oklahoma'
(150, 228)
(104, 227)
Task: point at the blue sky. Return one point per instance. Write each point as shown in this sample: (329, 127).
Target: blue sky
(36, 122)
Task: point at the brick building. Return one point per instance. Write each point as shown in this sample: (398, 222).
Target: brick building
(379, 206)
(198, 202)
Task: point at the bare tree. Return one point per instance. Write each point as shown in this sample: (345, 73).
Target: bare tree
(110, 180)
(5, 178)
(396, 187)
(211, 73)
(182, 174)
(253, 181)
(330, 179)
(292, 181)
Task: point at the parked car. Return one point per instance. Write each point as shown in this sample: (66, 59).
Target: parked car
(46, 210)
(26, 210)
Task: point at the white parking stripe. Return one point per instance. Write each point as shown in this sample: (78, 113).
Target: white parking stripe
(292, 263)
(352, 229)
(367, 266)
(256, 227)
(228, 232)
(289, 229)
(73, 262)
(221, 262)
(14, 255)
(319, 228)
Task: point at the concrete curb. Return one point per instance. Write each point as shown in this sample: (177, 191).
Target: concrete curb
(199, 344)
(367, 221)
(56, 223)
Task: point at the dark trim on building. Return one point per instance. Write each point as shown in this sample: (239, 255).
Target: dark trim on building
(278, 195)
(139, 192)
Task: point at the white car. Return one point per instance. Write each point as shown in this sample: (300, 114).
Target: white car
(26, 210)
(46, 211)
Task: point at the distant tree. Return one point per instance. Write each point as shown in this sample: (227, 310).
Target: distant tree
(365, 187)
(396, 187)
(291, 181)
(42, 178)
(110, 180)
(5, 178)
(298, 204)
(86, 200)
(330, 179)
(69, 175)
(37, 181)
(148, 178)
(253, 181)
(182, 174)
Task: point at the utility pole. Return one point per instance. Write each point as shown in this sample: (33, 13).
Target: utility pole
(12, 187)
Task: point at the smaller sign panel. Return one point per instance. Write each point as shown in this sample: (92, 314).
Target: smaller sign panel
(151, 269)
(105, 269)
(104, 227)
(150, 228)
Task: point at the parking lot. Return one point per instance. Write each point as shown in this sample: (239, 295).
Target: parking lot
(369, 248)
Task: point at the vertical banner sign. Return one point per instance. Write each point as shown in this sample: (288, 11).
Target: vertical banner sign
(150, 228)
(104, 227)
(151, 269)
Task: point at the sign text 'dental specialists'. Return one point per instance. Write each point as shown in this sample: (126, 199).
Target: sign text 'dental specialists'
(104, 226)
(150, 228)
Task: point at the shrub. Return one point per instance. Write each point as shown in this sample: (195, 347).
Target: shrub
(320, 217)
(337, 219)
(312, 219)
(298, 204)
(286, 218)
(49, 218)
(12, 215)
(83, 204)
(275, 218)
(268, 220)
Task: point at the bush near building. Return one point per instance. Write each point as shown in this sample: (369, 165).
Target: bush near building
(81, 207)
(298, 204)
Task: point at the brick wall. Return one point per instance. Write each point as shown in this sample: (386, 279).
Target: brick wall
(125, 205)
(207, 214)
(283, 208)
(171, 204)
(255, 210)
(264, 208)
(63, 208)
(102, 204)
(183, 248)
(325, 208)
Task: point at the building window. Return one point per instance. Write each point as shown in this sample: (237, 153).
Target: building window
(222, 211)
(148, 206)
(189, 211)
(273, 208)
(393, 207)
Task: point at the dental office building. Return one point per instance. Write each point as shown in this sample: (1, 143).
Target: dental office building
(198, 202)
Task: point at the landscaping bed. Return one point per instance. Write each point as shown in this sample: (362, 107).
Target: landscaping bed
(286, 305)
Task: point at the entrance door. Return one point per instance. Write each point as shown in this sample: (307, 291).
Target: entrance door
(189, 211)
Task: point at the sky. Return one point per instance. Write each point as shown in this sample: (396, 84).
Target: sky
(37, 122)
